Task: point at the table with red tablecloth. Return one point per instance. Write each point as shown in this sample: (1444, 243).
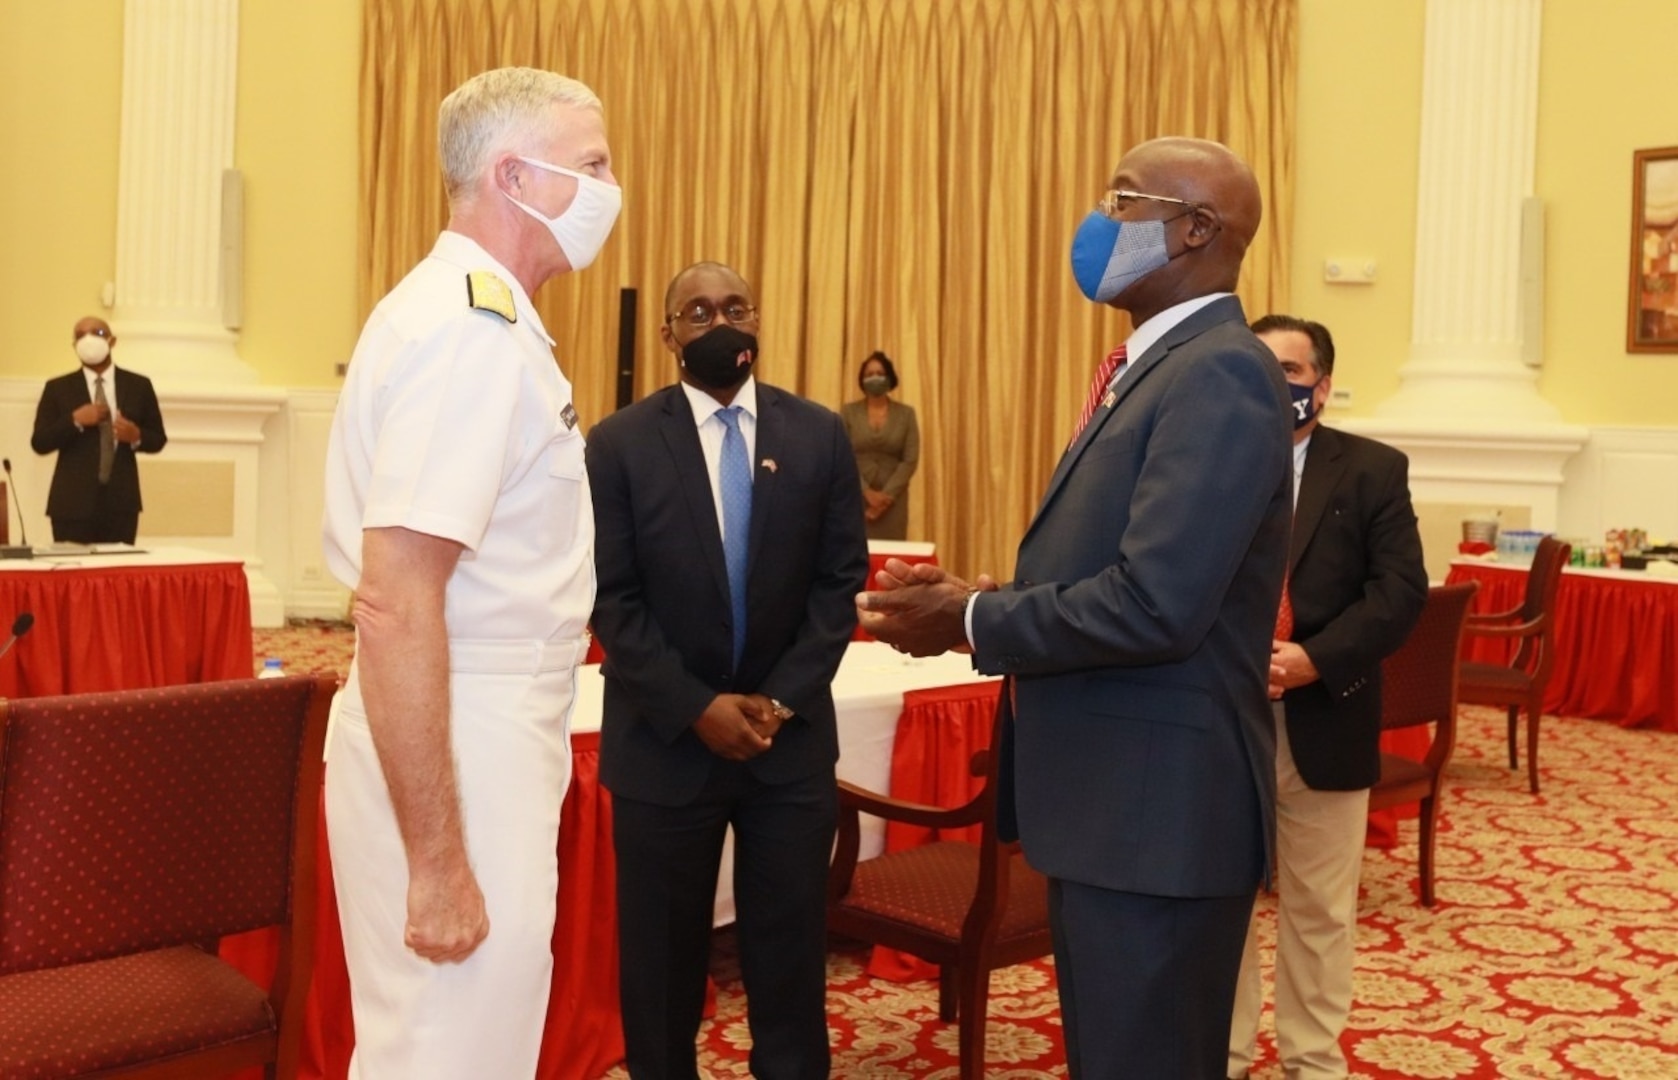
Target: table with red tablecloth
(1616, 640)
(584, 1036)
(124, 621)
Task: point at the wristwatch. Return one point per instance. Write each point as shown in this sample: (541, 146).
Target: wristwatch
(782, 713)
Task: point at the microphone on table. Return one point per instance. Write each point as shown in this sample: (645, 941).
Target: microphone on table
(23, 550)
(20, 627)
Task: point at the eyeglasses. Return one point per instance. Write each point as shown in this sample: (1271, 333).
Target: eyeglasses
(704, 313)
(97, 331)
(1115, 201)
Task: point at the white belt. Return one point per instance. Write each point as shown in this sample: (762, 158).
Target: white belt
(491, 657)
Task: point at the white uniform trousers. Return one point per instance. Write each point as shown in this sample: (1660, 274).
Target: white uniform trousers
(1319, 853)
(510, 725)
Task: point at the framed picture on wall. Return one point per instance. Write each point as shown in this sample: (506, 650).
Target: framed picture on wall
(1652, 312)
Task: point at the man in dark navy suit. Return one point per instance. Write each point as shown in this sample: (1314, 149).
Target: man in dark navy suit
(729, 546)
(96, 419)
(1139, 771)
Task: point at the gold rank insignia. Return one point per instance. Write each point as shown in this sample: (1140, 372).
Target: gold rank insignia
(486, 292)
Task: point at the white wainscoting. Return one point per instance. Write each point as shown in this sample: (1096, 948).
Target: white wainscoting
(311, 591)
(274, 442)
(1622, 478)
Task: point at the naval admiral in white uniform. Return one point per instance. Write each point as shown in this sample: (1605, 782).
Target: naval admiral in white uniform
(457, 508)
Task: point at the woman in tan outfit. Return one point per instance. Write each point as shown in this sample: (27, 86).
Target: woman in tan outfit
(887, 441)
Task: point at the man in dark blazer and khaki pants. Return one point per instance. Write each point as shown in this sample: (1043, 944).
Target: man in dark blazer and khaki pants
(1139, 770)
(1356, 586)
(723, 626)
(96, 419)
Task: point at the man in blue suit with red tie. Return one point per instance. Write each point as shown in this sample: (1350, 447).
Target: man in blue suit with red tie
(1139, 770)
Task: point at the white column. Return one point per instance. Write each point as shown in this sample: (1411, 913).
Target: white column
(1468, 411)
(179, 82)
(180, 76)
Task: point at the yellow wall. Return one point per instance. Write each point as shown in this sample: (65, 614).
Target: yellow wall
(1359, 122)
(296, 143)
(1605, 90)
(60, 124)
(1358, 117)
(60, 92)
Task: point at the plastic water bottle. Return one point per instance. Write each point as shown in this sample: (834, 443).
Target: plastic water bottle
(271, 669)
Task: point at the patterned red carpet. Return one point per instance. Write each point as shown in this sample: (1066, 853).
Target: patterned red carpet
(1551, 955)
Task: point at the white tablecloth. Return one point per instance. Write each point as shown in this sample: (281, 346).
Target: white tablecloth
(117, 556)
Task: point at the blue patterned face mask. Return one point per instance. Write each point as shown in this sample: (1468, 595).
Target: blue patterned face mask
(1109, 256)
(1304, 403)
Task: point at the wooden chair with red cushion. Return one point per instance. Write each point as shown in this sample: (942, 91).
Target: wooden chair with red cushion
(1419, 687)
(970, 908)
(1520, 683)
(137, 828)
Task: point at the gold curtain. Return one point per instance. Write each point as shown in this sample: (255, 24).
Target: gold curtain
(895, 174)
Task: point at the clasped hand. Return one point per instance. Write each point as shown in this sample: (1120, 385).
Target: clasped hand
(90, 415)
(920, 610)
(738, 727)
(878, 503)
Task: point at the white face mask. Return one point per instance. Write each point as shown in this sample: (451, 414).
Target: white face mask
(93, 349)
(581, 229)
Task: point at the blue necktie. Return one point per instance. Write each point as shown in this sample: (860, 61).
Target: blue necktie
(735, 480)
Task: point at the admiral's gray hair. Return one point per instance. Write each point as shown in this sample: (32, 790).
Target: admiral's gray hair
(497, 111)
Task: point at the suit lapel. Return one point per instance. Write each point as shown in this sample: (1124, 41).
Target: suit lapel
(1132, 378)
(1324, 464)
(1222, 310)
(78, 391)
(681, 439)
(771, 443)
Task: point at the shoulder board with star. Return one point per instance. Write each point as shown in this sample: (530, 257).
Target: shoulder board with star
(487, 292)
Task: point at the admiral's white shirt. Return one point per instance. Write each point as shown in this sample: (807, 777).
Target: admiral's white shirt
(456, 423)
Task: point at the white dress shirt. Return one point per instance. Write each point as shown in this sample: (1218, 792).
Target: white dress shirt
(712, 430)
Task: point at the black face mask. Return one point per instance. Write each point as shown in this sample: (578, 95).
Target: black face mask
(720, 358)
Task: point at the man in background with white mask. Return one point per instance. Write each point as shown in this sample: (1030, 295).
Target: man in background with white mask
(457, 508)
(96, 419)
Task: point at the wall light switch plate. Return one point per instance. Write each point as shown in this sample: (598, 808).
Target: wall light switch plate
(1349, 271)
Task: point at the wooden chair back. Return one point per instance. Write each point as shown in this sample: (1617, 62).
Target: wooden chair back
(136, 829)
(1519, 684)
(1419, 687)
(1536, 653)
(970, 908)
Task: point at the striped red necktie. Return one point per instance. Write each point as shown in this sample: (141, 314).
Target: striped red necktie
(1284, 614)
(1098, 388)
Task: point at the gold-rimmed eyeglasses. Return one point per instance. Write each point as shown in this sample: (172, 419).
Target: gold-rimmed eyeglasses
(1112, 202)
(704, 313)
